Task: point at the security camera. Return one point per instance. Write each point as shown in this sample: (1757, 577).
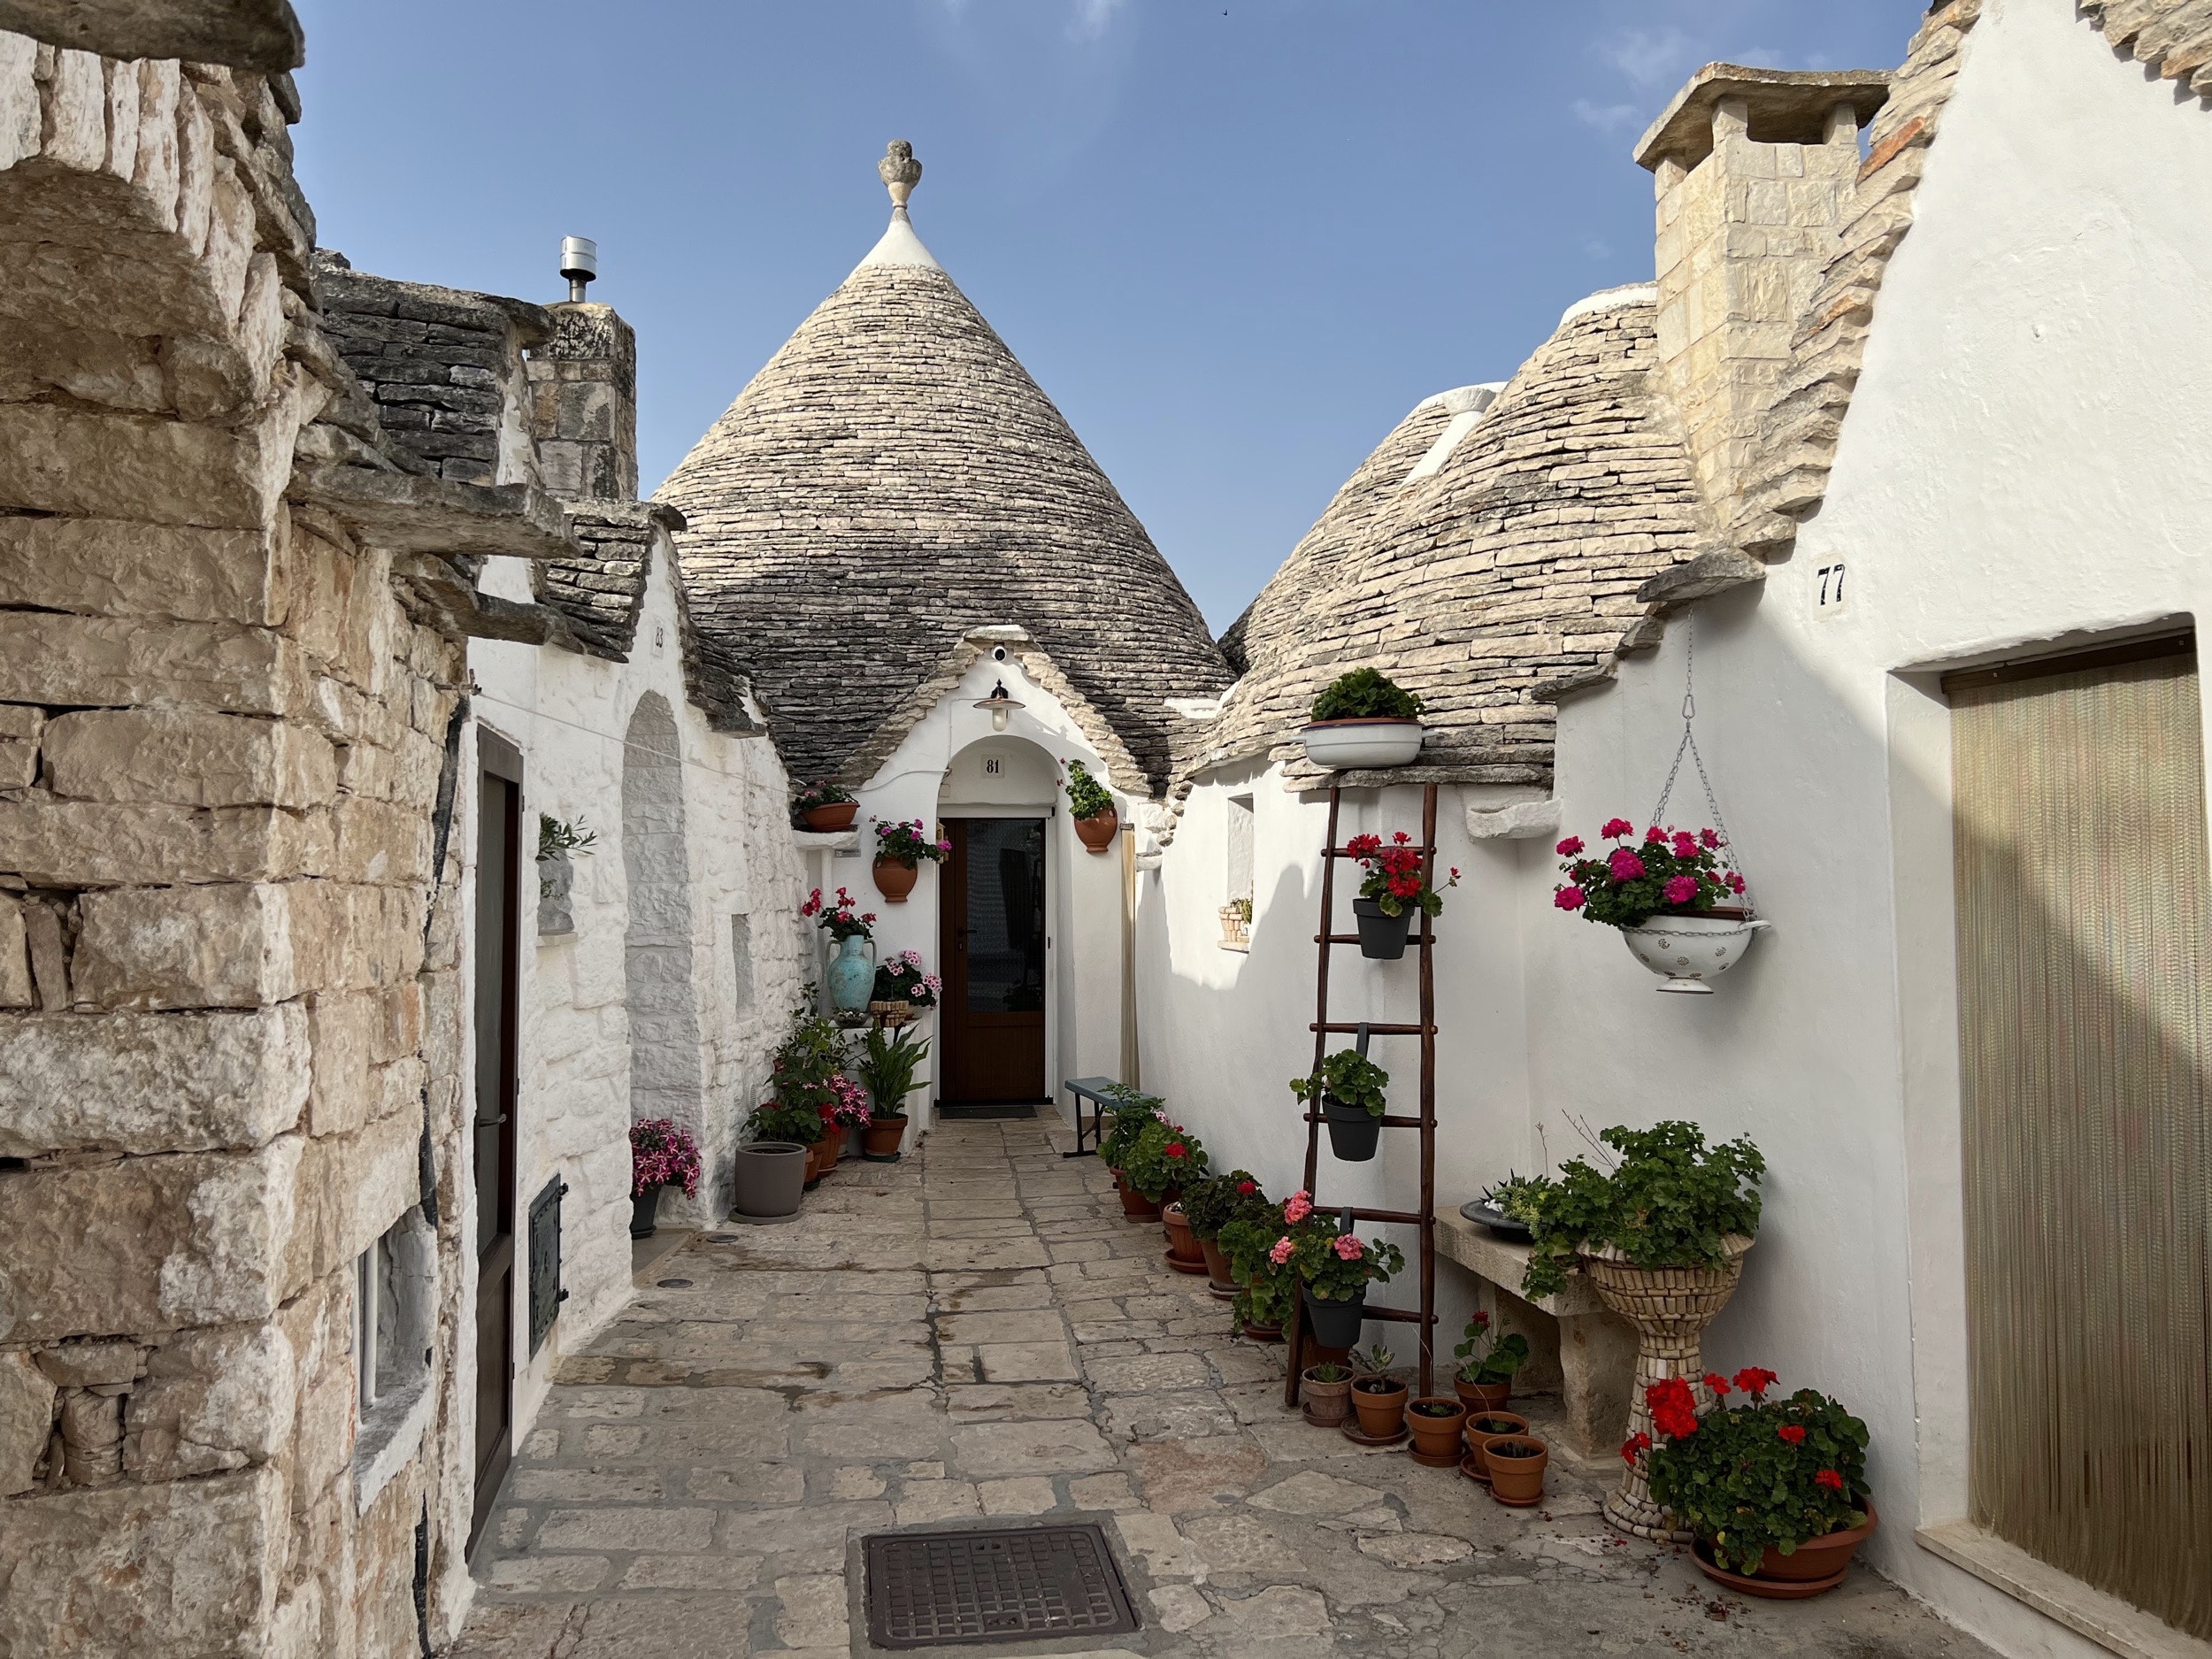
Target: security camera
(998, 653)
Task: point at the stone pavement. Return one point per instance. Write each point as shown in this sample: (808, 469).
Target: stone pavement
(975, 1332)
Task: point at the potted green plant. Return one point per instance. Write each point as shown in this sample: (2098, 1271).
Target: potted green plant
(661, 1154)
(1517, 1464)
(902, 848)
(1436, 1421)
(825, 807)
(1661, 1236)
(850, 974)
(1362, 719)
(1249, 1241)
(1379, 1394)
(1670, 894)
(1487, 1363)
(1334, 1270)
(1508, 1207)
(1134, 1110)
(1212, 1204)
(1325, 1392)
(1483, 1426)
(887, 1061)
(1774, 1490)
(1091, 807)
(1395, 884)
(1163, 1159)
(1348, 1090)
(905, 980)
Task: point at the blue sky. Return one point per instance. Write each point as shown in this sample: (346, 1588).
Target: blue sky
(1234, 242)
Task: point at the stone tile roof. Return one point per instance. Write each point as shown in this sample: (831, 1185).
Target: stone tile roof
(893, 480)
(602, 590)
(2173, 36)
(1513, 567)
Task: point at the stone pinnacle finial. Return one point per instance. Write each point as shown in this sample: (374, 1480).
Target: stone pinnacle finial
(899, 171)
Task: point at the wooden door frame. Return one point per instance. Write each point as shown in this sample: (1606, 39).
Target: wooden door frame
(952, 902)
(499, 759)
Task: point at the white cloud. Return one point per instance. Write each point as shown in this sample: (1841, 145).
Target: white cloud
(1651, 57)
(1607, 117)
(1092, 18)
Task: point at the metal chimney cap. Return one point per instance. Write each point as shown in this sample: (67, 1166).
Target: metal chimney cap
(579, 259)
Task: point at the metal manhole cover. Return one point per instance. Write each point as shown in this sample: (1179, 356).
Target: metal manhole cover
(1008, 1584)
(674, 1284)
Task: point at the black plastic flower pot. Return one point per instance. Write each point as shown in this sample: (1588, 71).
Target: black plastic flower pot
(1353, 1131)
(1335, 1324)
(1381, 938)
(645, 1212)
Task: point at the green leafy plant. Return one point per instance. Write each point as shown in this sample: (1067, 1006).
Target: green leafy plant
(827, 793)
(1516, 1196)
(1335, 1266)
(1670, 1203)
(1269, 1287)
(1365, 695)
(1373, 1363)
(1746, 1477)
(1133, 1109)
(809, 1062)
(1486, 1358)
(1086, 796)
(906, 843)
(779, 1120)
(1164, 1158)
(1348, 1078)
(1265, 1300)
(1218, 1200)
(556, 836)
(1241, 909)
(886, 1066)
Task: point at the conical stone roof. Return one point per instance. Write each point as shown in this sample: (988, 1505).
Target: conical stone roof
(892, 480)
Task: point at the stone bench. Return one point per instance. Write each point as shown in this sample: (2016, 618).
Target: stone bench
(1576, 1345)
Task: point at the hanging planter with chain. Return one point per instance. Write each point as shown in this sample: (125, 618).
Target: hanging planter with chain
(1678, 896)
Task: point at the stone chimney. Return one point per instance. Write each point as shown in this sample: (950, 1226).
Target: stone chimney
(583, 385)
(1755, 170)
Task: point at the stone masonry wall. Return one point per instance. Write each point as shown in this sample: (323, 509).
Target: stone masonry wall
(230, 1016)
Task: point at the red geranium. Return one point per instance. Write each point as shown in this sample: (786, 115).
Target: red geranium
(1793, 1432)
(1397, 874)
(1829, 1478)
(1673, 1408)
(1717, 1383)
(1634, 1447)
(1754, 1380)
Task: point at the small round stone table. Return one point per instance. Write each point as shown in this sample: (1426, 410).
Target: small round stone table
(1669, 1308)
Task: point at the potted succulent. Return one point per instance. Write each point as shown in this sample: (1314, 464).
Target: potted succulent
(1482, 1427)
(1669, 893)
(1487, 1363)
(1509, 1206)
(1362, 719)
(887, 1065)
(1091, 807)
(1517, 1464)
(1394, 887)
(660, 1154)
(1661, 1237)
(1379, 1395)
(1212, 1204)
(772, 1167)
(851, 975)
(825, 807)
(1334, 1270)
(902, 847)
(1161, 1161)
(1436, 1421)
(1348, 1089)
(1236, 924)
(1774, 1490)
(1326, 1391)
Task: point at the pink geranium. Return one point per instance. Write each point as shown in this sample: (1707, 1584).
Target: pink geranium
(1569, 847)
(1347, 1247)
(1624, 864)
(1679, 872)
(1568, 898)
(1297, 1208)
(1616, 827)
(1680, 890)
(1279, 1251)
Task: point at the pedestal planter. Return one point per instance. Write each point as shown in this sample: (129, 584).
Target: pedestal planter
(1436, 1421)
(1381, 938)
(1335, 1324)
(1686, 951)
(644, 1212)
(895, 881)
(1353, 1131)
(1097, 832)
(770, 1177)
(881, 1141)
(1516, 1463)
(1381, 1408)
(1816, 1567)
(1349, 745)
(1326, 1403)
(1669, 1308)
(830, 820)
(851, 975)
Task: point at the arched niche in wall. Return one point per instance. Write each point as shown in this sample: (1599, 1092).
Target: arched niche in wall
(999, 770)
(657, 958)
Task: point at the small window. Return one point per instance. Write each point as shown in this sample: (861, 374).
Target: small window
(391, 1312)
(742, 960)
(1240, 846)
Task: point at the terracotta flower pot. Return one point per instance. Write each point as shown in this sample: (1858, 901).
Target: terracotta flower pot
(1482, 1426)
(1097, 831)
(1382, 1409)
(881, 1141)
(895, 881)
(1263, 1332)
(1480, 1397)
(1517, 1464)
(1134, 1205)
(1182, 1243)
(1218, 1272)
(1814, 1568)
(829, 819)
(1436, 1421)
(1327, 1403)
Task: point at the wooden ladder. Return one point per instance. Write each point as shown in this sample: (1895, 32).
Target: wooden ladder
(1324, 1028)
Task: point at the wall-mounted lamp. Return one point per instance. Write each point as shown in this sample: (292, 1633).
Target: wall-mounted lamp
(1000, 704)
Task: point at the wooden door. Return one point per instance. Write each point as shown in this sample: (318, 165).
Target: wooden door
(992, 918)
(498, 925)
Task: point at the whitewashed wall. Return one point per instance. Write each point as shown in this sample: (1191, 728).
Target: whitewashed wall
(568, 714)
(2025, 463)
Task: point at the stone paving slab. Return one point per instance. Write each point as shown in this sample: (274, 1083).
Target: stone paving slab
(975, 1335)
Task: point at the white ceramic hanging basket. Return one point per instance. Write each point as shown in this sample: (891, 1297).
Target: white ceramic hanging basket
(1358, 745)
(1687, 951)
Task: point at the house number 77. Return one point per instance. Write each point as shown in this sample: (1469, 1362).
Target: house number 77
(1831, 588)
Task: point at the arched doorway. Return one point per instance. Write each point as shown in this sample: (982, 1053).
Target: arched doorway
(657, 958)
